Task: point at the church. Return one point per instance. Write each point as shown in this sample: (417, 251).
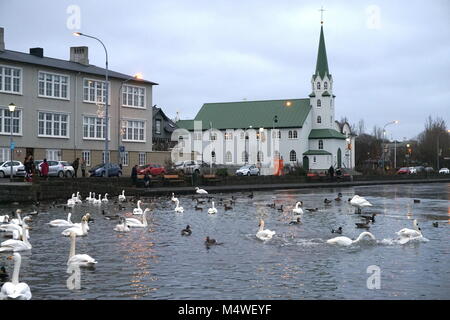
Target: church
(302, 132)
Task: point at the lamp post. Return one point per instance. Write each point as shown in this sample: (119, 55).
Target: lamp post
(384, 132)
(12, 108)
(106, 100)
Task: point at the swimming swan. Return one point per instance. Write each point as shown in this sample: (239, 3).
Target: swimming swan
(135, 223)
(345, 241)
(62, 222)
(178, 208)
(15, 289)
(200, 191)
(82, 260)
(264, 234)
(122, 197)
(213, 209)
(17, 245)
(359, 202)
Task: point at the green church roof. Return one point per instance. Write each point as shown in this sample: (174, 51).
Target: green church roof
(322, 62)
(316, 153)
(326, 94)
(325, 134)
(291, 113)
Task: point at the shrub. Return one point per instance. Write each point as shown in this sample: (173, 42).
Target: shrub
(222, 172)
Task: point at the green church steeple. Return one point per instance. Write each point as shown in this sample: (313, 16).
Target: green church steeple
(322, 62)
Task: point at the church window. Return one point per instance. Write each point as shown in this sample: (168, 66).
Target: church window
(290, 134)
(294, 134)
(318, 85)
(319, 103)
(320, 144)
(229, 157)
(325, 85)
(319, 119)
(292, 156)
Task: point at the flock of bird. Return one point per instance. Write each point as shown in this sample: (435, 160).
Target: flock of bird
(18, 230)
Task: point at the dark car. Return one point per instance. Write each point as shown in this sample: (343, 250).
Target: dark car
(151, 168)
(429, 169)
(100, 170)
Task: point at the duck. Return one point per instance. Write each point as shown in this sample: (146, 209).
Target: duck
(209, 241)
(62, 222)
(15, 289)
(187, 231)
(138, 210)
(178, 208)
(271, 205)
(364, 225)
(359, 202)
(135, 223)
(200, 201)
(338, 197)
(280, 208)
(17, 245)
(98, 201)
(296, 221)
(227, 207)
(251, 195)
(312, 209)
(264, 234)
(78, 230)
(213, 209)
(416, 201)
(4, 276)
(435, 224)
(326, 201)
(297, 208)
(81, 260)
(345, 241)
(105, 199)
(109, 216)
(122, 227)
(122, 197)
(370, 218)
(200, 191)
(339, 230)
(198, 208)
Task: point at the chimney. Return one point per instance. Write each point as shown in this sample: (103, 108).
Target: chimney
(38, 52)
(79, 55)
(2, 39)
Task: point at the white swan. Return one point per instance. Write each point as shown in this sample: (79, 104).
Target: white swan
(122, 227)
(71, 201)
(122, 197)
(79, 231)
(97, 201)
(135, 223)
(17, 220)
(77, 199)
(91, 199)
(345, 241)
(359, 202)
(178, 208)
(82, 260)
(17, 245)
(200, 191)
(264, 234)
(62, 222)
(297, 208)
(173, 197)
(105, 199)
(15, 289)
(138, 210)
(87, 216)
(88, 199)
(213, 209)
(4, 219)
(407, 235)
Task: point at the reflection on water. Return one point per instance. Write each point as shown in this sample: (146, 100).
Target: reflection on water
(158, 263)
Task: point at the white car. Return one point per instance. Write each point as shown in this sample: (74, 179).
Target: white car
(412, 170)
(248, 170)
(5, 168)
(444, 170)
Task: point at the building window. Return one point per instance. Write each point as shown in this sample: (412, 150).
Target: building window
(86, 156)
(276, 134)
(53, 154)
(51, 85)
(94, 91)
(319, 104)
(4, 154)
(320, 144)
(314, 159)
(260, 156)
(229, 157)
(124, 158)
(93, 128)
(213, 136)
(53, 125)
(134, 131)
(292, 156)
(319, 119)
(228, 135)
(290, 134)
(103, 156)
(294, 134)
(197, 136)
(142, 158)
(213, 157)
(133, 96)
(244, 157)
(325, 85)
(318, 85)
(5, 121)
(158, 126)
(10, 80)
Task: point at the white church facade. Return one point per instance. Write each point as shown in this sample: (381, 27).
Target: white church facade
(300, 131)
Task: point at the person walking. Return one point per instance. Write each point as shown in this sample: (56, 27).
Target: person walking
(134, 174)
(28, 164)
(331, 172)
(44, 169)
(147, 180)
(75, 165)
(83, 168)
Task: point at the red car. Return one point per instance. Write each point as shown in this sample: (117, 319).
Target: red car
(404, 170)
(152, 169)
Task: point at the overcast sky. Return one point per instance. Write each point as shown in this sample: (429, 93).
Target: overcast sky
(389, 59)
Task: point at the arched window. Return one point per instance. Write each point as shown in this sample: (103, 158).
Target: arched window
(314, 159)
(290, 134)
(244, 157)
(325, 85)
(319, 104)
(229, 157)
(319, 119)
(294, 134)
(292, 156)
(318, 85)
(260, 156)
(320, 144)
(276, 155)
(213, 156)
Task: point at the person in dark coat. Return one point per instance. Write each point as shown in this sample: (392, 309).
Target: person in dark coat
(134, 174)
(147, 180)
(331, 172)
(75, 165)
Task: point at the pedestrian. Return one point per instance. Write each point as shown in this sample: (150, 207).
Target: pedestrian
(28, 164)
(134, 174)
(44, 169)
(147, 180)
(75, 167)
(331, 172)
(83, 167)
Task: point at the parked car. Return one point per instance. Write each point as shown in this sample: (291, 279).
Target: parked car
(429, 169)
(5, 169)
(419, 169)
(444, 171)
(191, 166)
(100, 170)
(152, 169)
(55, 168)
(404, 170)
(412, 170)
(248, 170)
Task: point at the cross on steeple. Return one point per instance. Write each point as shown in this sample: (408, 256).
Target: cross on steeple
(321, 14)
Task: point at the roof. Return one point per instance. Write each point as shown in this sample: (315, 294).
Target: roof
(316, 153)
(63, 64)
(322, 62)
(325, 134)
(325, 94)
(185, 124)
(291, 113)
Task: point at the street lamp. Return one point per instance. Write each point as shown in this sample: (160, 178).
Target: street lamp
(12, 108)
(77, 34)
(384, 132)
